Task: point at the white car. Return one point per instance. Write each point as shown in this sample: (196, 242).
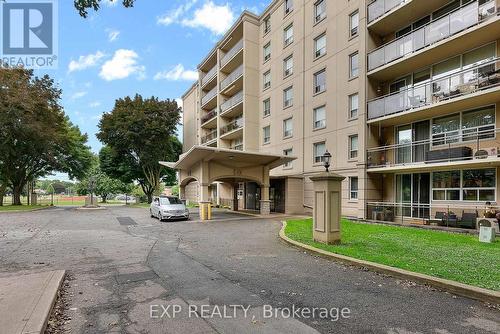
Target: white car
(168, 207)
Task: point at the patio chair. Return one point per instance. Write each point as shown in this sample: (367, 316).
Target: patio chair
(441, 217)
(468, 220)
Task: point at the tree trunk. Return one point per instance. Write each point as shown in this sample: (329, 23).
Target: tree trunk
(16, 195)
(2, 193)
(104, 198)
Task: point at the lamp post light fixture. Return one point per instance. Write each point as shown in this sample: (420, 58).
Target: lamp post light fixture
(326, 160)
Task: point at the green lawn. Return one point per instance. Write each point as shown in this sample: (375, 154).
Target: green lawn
(452, 256)
(20, 207)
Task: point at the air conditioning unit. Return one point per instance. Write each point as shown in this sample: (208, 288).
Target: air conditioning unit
(288, 72)
(488, 222)
(288, 41)
(267, 57)
(267, 85)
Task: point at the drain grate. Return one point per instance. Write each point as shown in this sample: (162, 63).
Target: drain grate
(135, 277)
(126, 221)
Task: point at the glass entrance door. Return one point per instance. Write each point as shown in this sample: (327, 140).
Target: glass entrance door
(413, 195)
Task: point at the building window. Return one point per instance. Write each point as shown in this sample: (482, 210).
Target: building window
(288, 152)
(288, 6)
(288, 35)
(319, 10)
(288, 66)
(319, 117)
(267, 79)
(353, 65)
(353, 147)
(266, 131)
(319, 150)
(353, 187)
(267, 107)
(477, 185)
(469, 125)
(287, 127)
(288, 97)
(320, 81)
(353, 24)
(267, 24)
(353, 106)
(238, 144)
(320, 46)
(267, 51)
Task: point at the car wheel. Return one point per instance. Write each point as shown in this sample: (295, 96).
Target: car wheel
(160, 217)
(151, 213)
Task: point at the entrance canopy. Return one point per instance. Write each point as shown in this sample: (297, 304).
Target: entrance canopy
(209, 164)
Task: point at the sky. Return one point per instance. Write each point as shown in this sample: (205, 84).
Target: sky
(150, 49)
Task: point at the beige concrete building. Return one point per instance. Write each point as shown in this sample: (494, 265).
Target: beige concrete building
(402, 93)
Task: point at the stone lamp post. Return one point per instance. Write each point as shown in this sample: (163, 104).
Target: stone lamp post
(327, 204)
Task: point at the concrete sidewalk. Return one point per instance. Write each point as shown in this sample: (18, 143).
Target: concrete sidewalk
(26, 301)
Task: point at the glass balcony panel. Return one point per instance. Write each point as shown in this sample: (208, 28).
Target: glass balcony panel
(234, 50)
(210, 74)
(396, 103)
(379, 7)
(376, 58)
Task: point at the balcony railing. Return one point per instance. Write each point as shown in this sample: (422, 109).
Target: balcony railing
(210, 95)
(473, 79)
(237, 98)
(208, 116)
(444, 27)
(470, 144)
(208, 138)
(230, 54)
(232, 77)
(210, 74)
(463, 214)
(379, 7)
(234, 125)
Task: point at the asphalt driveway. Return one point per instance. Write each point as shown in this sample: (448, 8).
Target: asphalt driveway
(126, 269)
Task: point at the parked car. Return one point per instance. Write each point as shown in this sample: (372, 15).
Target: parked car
(168, 207)
(125, 198)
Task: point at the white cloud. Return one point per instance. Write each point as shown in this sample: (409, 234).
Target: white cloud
(85, 62)
(111, 3)
(113, 34)
(173, 15)
(177, 73)
(179, 102)
(122, 65)
(78, 95)
(95, 104)
(211, 16)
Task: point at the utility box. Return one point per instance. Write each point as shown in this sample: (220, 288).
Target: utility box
(486, 234)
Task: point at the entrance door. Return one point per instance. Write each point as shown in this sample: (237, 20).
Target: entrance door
(277, 195)
(413, 195)
(252, 198)
(421, 131)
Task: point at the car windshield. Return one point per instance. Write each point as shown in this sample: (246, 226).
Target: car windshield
(169, 200)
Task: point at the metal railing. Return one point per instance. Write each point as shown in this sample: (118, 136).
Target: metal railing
(238, 147)
(208, 96)
(473, 79)
(210, 74)
(208, 116)
(230, 54)
(234, 100)
(444, 27)
(379, 8)
(461, 214)
(238, 72)
(209, 137)
(478, 143)
(233, 125)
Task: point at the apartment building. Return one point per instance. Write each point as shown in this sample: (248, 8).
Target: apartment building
(402, 93)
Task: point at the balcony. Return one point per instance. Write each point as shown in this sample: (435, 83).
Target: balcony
(209, 120)
(212, 136)
(209, 97)
(472, 147)
(379, 8)
(231, 78)
(478, 82)
(227, 109)
(231, 130)
(209, 76)
(238, 147)
(441, 29)
(231, 53)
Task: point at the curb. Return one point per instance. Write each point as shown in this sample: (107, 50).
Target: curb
(40, 316)
(30, 210)
(457, 288)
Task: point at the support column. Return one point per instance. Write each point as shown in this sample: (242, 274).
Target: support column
(265, 203)
(234, 204)
(182, 192)
(204, 205)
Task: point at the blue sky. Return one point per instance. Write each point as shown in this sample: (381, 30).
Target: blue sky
(151, 49)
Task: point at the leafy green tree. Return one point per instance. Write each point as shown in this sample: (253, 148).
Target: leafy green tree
(82, 6)
(36, 137)
(139, 133)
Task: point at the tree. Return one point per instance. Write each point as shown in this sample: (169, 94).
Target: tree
(36, 137)
(139, 133)
(82, 6)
